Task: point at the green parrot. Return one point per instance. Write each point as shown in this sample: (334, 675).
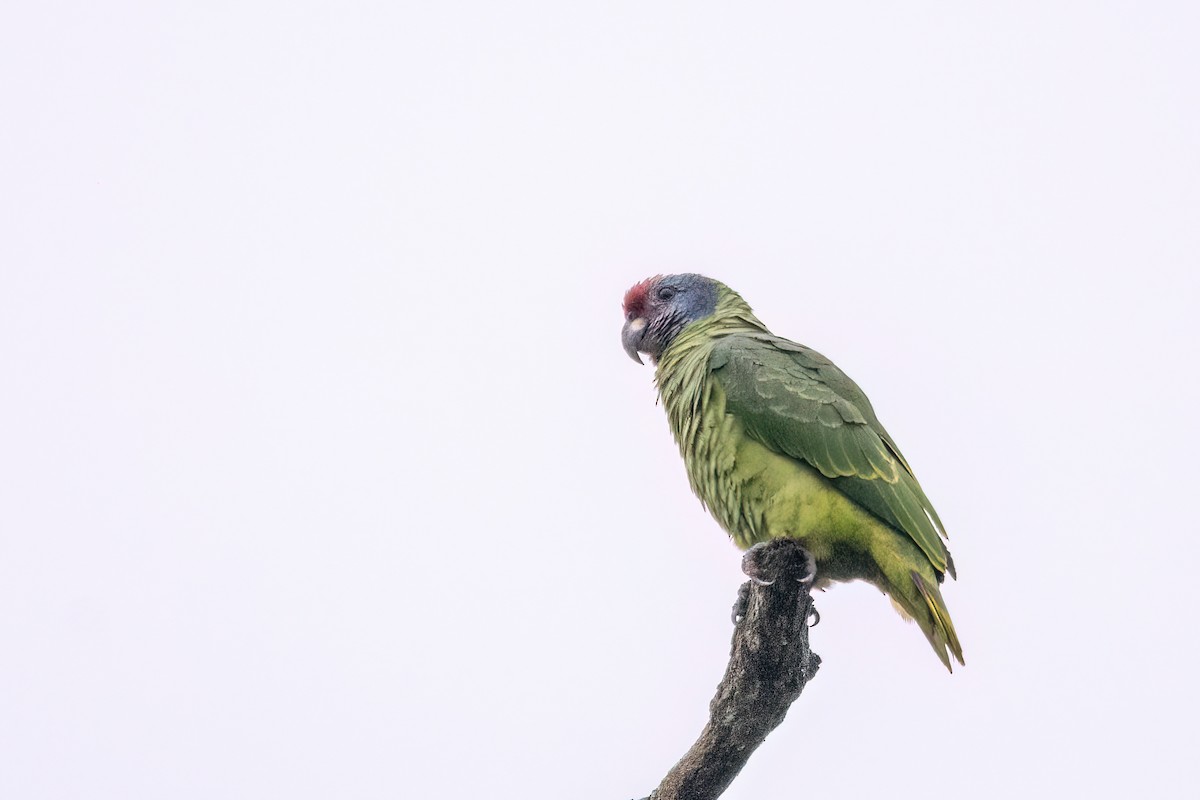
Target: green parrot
(777, 441)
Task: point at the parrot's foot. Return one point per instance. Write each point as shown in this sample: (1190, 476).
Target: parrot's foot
(741, 604)
(765, 562)
(810, 570)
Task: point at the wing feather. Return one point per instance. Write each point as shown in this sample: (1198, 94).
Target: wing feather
(795, 401)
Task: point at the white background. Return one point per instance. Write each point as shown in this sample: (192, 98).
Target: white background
(323, 474)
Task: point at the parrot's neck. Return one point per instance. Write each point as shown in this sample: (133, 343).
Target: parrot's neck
(682, 372)
(732, 315)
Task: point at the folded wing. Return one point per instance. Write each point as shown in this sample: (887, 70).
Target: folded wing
(796, 402)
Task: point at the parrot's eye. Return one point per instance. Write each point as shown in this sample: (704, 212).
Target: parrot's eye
(665, 293)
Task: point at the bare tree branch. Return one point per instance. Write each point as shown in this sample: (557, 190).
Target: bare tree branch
(769, 665)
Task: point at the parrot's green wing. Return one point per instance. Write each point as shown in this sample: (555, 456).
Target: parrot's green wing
(796, 402)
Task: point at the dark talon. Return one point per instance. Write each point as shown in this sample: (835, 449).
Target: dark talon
(815, 616)
(760, 563)
(766, 562)
(810, 570)
(741, 604)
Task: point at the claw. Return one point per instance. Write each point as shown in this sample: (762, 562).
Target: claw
(766, 561)
(815, 616)
(753, 566)
(810, 575)
(740, 605)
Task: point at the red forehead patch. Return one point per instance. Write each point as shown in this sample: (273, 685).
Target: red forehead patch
(635, 298)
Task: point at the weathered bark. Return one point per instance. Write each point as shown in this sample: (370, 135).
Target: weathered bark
(769, 665)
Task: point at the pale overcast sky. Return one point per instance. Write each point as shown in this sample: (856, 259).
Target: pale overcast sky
(323, 473)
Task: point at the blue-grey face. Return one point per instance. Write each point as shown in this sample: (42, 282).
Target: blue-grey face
(657, 309)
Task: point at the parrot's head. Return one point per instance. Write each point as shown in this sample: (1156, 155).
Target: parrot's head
(658, 308)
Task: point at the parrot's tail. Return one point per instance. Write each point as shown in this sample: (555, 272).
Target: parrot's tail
(931, 614)
(921, 602)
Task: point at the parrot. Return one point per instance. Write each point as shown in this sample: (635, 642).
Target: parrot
(779, 442)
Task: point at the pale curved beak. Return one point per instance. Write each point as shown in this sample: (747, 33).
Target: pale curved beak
(631, 337)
